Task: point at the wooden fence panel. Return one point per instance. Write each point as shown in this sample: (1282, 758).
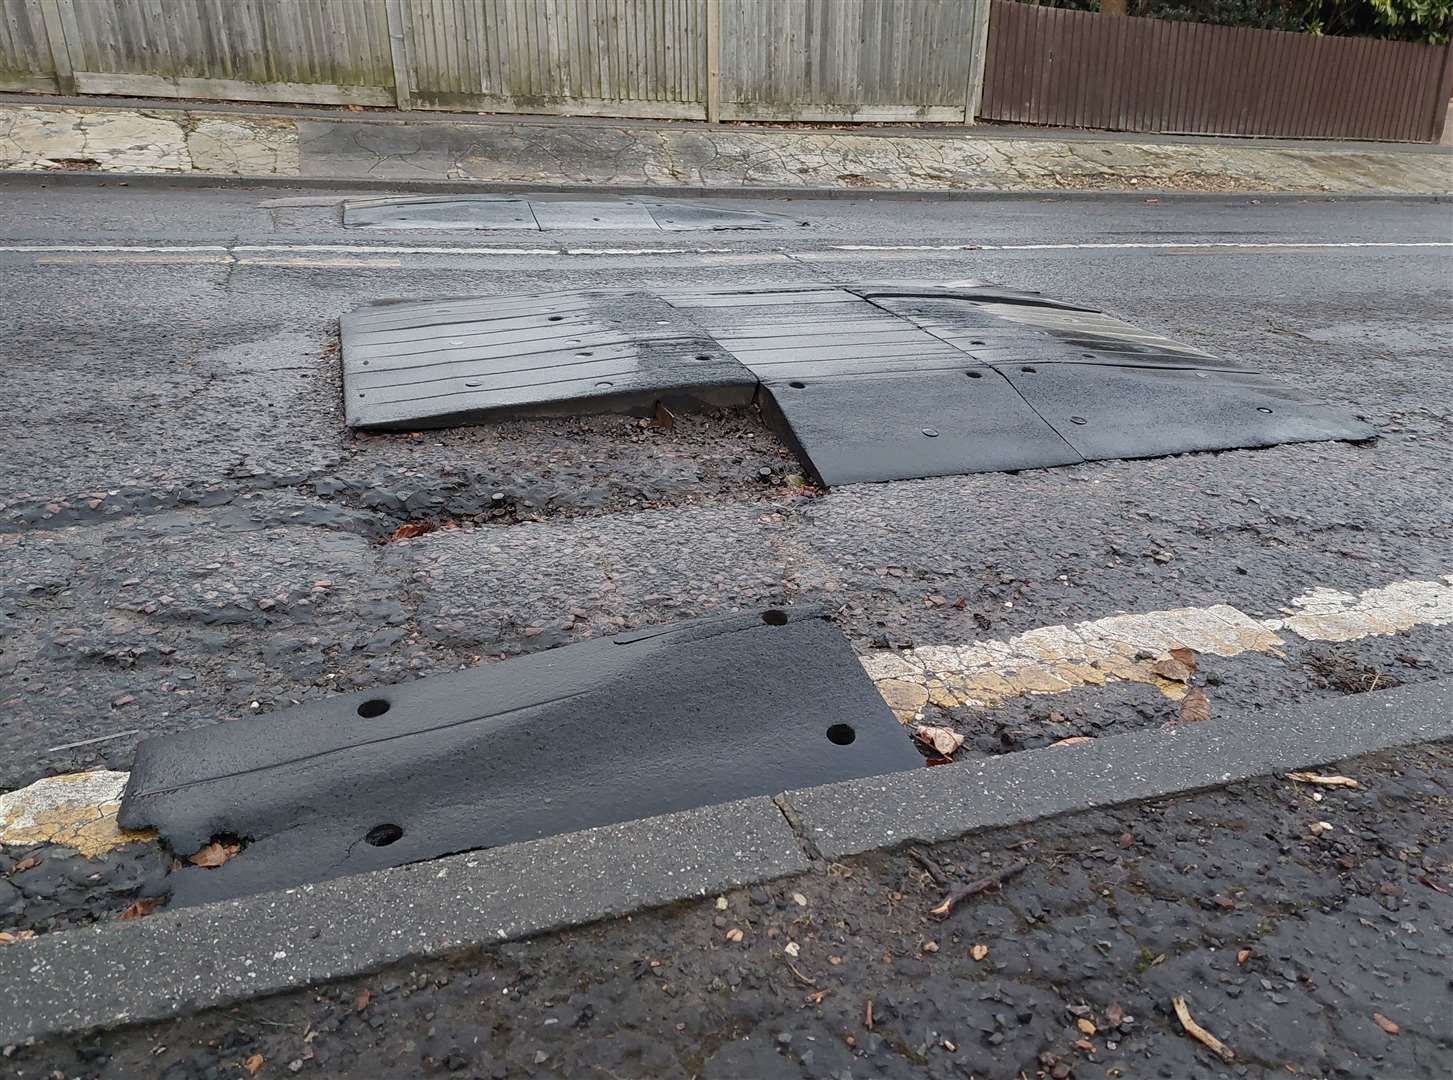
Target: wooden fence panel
(584, 57)
(326, 51)
(850, 59)
(25, 55)
(1082, 69)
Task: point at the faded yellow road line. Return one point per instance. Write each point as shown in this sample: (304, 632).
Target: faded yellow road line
(1053, 659)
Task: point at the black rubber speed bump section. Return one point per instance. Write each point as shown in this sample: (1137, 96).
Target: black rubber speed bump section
(1105, 411)
(411, 366)
(645, 723)
(477, 212)
(857, 429)
(869, 382)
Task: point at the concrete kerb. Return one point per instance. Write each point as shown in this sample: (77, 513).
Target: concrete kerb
(175, 963)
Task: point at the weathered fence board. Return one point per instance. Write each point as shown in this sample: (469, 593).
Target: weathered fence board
(26, 62)
(334, 51)
(850, 59)
(1082, 69)
(611, 57)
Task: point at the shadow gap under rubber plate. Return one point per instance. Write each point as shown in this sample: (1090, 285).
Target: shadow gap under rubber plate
(656, 720)
(867, 383)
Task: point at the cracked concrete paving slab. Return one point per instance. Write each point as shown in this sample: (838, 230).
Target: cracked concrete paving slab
(145, 141)
(606, 154)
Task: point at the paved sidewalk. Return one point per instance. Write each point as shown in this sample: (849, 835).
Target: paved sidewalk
(172, 138)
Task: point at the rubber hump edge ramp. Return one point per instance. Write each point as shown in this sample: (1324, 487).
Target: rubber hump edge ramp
(645, 723)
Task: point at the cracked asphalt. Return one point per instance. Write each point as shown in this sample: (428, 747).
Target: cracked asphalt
(188, 533)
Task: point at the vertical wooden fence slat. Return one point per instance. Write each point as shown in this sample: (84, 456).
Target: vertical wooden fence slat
(1075, 68)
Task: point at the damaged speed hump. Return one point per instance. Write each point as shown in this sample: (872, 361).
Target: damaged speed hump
(645, 723)
(865, 382)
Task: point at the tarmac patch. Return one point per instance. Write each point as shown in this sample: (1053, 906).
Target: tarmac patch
(543, 214)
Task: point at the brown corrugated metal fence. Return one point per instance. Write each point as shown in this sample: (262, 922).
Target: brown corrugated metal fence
(1081, 69)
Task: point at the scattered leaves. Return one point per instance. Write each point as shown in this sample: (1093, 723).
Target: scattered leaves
(1087, 1027)
(1317, 828)
(979, 951)
(868, 1015)
(253, 1064)
(410, 529)
(1185, 656)
(30, 862)
(1197, 1032)
(1384, 1023)
(792, 948)
(1085, 1046)
(929, 946)
(944, 740)
(1073, 740)
(361, 1001)
(1243, 955)
(1324, 781)
(214, 854)
(145, 906)
(1114, 1014)
(8, 937)
(734, 934)
(1195, 707)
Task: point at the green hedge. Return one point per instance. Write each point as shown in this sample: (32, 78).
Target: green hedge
(1401, 20)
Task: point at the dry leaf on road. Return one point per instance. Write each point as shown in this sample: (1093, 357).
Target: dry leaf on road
(145, 906)
(978, 952)
(1073, 740)
(252, 1064)
(1087, 1026)
(361, 1001)
(1322, 780)
(1185, 656)
(1384, 1023)
(944, 740)
(1197, 1032)
(1195, 707)
(214, 854)
(1168, 667)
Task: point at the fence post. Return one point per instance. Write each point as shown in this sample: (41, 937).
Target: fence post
(1437, 125)
(60, 46)
(979, 42)
(713, 61)
(398, 51)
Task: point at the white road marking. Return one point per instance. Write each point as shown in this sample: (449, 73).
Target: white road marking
(1053, 659)
(834, 251)
(1151, 245)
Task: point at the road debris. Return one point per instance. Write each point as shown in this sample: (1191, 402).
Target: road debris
(944, 740)
(1324, 781)
(979, 951)
(214, 854)
(1386, 1024)
(1195, 707)
(1200, 1034)
(974, 888)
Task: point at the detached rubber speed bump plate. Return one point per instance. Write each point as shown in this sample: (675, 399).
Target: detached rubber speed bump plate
(645, 723)
(866, 382)
(541, 213)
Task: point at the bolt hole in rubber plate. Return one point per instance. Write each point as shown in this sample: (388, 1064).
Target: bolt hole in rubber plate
(661, 719)
(1133, 412)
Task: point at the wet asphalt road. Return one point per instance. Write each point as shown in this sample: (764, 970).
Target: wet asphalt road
(1307, 954)
(189, 533)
